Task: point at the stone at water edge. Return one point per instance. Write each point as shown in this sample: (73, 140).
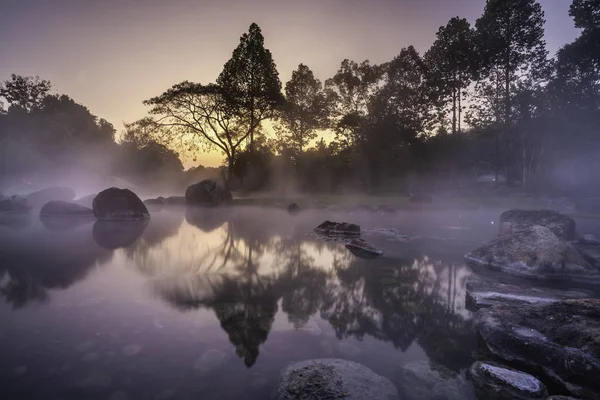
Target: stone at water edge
(154, 204)
(86, 201)
(119, 204)
(329, 228)
(333, 379)
(207, 193)
(561, 225)
(481, 294)
(560, 340)
(175, 201)
(57, 208)
(502, 383)
(535, 253)
(361, 247)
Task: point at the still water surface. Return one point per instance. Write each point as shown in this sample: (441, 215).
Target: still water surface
(213, 304)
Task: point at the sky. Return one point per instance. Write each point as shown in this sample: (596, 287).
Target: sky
(110, 55)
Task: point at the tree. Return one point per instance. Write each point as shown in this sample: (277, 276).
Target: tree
(450, 62)
(305, 110)
(193, 115)
(510, 37)
(25, 92)
(586, 14)
(250, 82)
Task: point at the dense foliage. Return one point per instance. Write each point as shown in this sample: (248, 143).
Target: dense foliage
(485, 98)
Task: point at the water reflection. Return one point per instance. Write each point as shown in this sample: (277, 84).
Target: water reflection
(113, 235)
(37, 260)
(246, 274)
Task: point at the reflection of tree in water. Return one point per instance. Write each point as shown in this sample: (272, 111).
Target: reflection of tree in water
(392, 300)
(38, 260)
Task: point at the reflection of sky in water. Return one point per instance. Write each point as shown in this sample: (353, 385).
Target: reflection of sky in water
(196, 305)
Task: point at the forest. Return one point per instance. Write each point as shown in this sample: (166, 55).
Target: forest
(486, 99)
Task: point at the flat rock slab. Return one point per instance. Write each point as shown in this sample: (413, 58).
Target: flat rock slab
(535, 253)
(560, 340)
(561, 225)
(338, 229)
(420, 380)
(493, 381)
(332, 379)
(482, 294)
(361, 248)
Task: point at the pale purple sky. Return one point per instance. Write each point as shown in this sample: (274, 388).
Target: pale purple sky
(110, 55)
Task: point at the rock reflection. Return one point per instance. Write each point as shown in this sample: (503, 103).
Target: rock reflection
(64, 223)
(242, 272)
(36, 260)
(117, 234)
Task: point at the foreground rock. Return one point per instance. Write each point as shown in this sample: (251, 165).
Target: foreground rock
(338, 229)
(482, 294)
(361, 248)
(560, 340)
(561, 225)
(41, 197)
(419, 381)
(501, 383)
(57, 208)
(333, 379)
(207, 193)
(534, 253)
(14, 205)
(119, 204)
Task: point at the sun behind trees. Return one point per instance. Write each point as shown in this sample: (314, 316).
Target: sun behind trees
(484, 99)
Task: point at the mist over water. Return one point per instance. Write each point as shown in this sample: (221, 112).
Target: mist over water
(216, 302)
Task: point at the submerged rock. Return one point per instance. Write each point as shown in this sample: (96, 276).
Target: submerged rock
(57, 208)
(330, 379)
(482, 294)
(14, 205)
(534, 253)
(496, 382)
(119, 204)
(329, 228)
(207, 193)
(41, 197)
(361, 248)
(560, 340)
(421, 380)
(561, 225)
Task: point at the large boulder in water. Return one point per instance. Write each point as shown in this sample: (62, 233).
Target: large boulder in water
(497, 382)
(561, 341)
(41, 197)
(57, 208)
(561, 225)
(207, 193)
(119, 204)
(534, 253)
(14, 205)
(333, 379)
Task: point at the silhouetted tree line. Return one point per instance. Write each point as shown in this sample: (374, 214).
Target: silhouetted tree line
(484, 98)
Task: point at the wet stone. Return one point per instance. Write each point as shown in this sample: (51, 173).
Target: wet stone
(501, 383)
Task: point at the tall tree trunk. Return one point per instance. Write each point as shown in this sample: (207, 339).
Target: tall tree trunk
(251, 147)
(459, 109)
(454, 105)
